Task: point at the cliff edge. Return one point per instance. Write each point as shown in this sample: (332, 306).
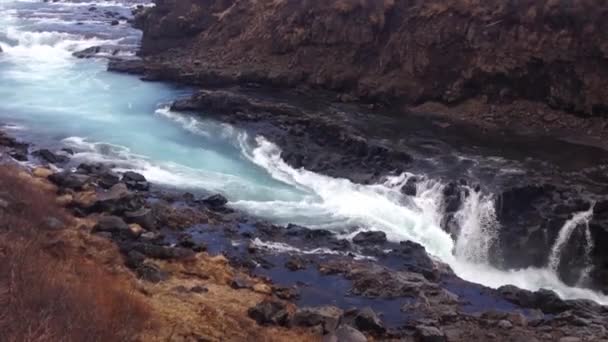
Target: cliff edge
(408, 51)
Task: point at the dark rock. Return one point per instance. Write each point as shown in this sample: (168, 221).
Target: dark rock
(88, 52)
(370, 238)
(134, 259)
(240, 282)
(365, 320)
(162, 252)
(135, 181)
(142, 216)
(151, 272)
(429, 334)
(286, 293)
(69, 180)
(136, 67)
(199, 289)
(108, 180)
(295, 263)
(409, 188)
(215, 201)
(118, 200)
(112, 224)
(328, 317)
(345, 333)
(269, 312)
(114, 22)
(51, 157)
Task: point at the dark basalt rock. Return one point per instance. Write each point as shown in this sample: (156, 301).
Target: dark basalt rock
(136, 67)
(69, 180)
(269, 312)
(88, 52)
(295, 263)
(152, 273)
(328, 317)
(365, 320)
(118, 200)
(215, 201)
(112, 224)
(51, 157)
(370, 238)
(135, 181)
(142, 216)
(161, 252)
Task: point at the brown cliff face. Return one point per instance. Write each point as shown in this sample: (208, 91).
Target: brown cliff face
(413, 51)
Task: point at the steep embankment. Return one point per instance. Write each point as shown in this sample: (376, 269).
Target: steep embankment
(416, 51)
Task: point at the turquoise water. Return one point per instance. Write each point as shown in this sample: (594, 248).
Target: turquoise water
(53, 99)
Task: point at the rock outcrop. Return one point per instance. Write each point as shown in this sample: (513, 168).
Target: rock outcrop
(412, 51)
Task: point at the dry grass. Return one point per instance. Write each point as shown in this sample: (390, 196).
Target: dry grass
(48, 292)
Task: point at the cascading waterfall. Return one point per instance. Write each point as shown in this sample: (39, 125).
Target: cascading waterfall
(478, 228)
(577, 220)
(49, 93)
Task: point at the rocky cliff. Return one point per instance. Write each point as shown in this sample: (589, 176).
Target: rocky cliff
(413, 51)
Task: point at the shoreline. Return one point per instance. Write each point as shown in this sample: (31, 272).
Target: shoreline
(205, 224)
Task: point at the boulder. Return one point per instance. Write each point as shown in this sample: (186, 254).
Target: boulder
(215, 201)
(295, 263)
(88, 52)
(328, 317)
(118, 200)
(365, 320)
(112, 224)
(345, 333)
(135, 181)
(430, 334)
(142, 217)
(269, 312)
(370, 238)
(51, 157)
(69, 180)
(151, 272)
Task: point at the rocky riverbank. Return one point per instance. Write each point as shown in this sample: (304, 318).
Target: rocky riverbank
(207, 269)
(488, 62)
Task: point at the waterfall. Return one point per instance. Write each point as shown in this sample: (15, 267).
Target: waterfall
(579, 219)
(478, 228)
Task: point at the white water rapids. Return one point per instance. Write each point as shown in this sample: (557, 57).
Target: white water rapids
(53, 97)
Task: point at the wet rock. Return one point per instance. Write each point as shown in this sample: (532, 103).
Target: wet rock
(365, 320)
(107, 180)
(135, 181)
(416, 259)
(328, 317)
(111, 224)
(152, 273)
(142, 217)
(136, 67)
(409, 188)
(118, 200)
(308, 234)
(114, 22)
(295, 263)
(215, 201)
(286, 293)
(429, 334)
(269, 312)
(345, 333)
(69, 180)
(88, 52)
(51, 157)
(370, 238)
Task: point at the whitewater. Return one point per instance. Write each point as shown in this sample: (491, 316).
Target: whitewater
(52, 98)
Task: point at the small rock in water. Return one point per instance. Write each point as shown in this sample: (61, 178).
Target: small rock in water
(51, 157)
(215, 201)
